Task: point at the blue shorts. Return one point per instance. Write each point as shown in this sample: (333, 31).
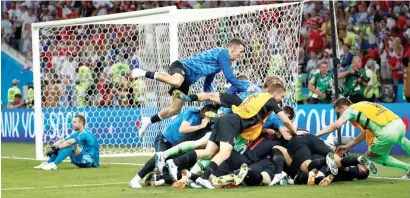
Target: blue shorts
(82, 160)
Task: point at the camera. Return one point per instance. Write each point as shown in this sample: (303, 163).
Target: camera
(331, 93)
(362, 76)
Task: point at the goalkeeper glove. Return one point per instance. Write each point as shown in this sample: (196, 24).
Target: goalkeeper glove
(53, 150)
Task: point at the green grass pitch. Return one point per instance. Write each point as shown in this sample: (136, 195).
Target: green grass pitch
(19, 179)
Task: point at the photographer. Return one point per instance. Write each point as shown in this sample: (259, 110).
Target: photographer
(321, 85)
(356, 81)
(371, 92)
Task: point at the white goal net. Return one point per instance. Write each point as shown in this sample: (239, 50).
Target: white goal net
(84, 67)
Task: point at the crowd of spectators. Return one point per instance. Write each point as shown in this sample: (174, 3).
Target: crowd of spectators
(92, 64)
(373, 38)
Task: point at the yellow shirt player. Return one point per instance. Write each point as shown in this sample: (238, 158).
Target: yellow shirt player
(381, 128)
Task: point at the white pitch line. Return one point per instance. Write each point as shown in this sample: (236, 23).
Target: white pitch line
(32, 159)
(118, 183)
(388, 178)
(64, 186)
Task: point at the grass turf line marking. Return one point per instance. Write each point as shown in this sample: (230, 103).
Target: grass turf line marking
(32, 159)
(64, 186)
(118, 183)
(389, 178)
(134, 164)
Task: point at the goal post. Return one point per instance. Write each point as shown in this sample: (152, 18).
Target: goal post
(37, 73)
(82, 66)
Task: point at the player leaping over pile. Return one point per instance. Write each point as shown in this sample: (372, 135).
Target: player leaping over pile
(185, 72)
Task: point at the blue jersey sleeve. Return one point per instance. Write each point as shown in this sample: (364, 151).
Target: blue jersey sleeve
(234, 89)
(72, 135)
(231, 90)
(269, 123)
(191, 116)
(273, 122)
(225, 65)
(208, 82)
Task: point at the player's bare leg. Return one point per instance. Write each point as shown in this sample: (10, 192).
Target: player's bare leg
(285, 153)
(200, 97)
(223, 154)
(175, 80)
(174, 109)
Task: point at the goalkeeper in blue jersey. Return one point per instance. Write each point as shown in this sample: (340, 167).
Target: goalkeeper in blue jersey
(185, 72)
(81, 146)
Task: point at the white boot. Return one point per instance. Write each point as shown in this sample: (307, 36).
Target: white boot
(49, 166)
(145, 123)
(330, 161)
(135, 182)
(159, 161)
(41, 165)
(173, 169)
(204, 183)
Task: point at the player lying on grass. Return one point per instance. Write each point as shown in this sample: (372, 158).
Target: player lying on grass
(185, 72)
(301, 148)
(324, 177)
(254, 154)
(265, 163)
(264, 157)
(191, 124)
(81, 146)
(381, 128)
(304, 150)
(246, 120)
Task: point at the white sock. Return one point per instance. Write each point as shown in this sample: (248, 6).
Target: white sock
(160, 182)
(137, 177)
(155, 75)
(159, 116)
(196, 169)
(188, 174)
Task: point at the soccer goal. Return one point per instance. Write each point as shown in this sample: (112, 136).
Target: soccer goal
(82, 66)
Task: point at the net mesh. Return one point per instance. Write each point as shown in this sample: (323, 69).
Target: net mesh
(85, 69)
